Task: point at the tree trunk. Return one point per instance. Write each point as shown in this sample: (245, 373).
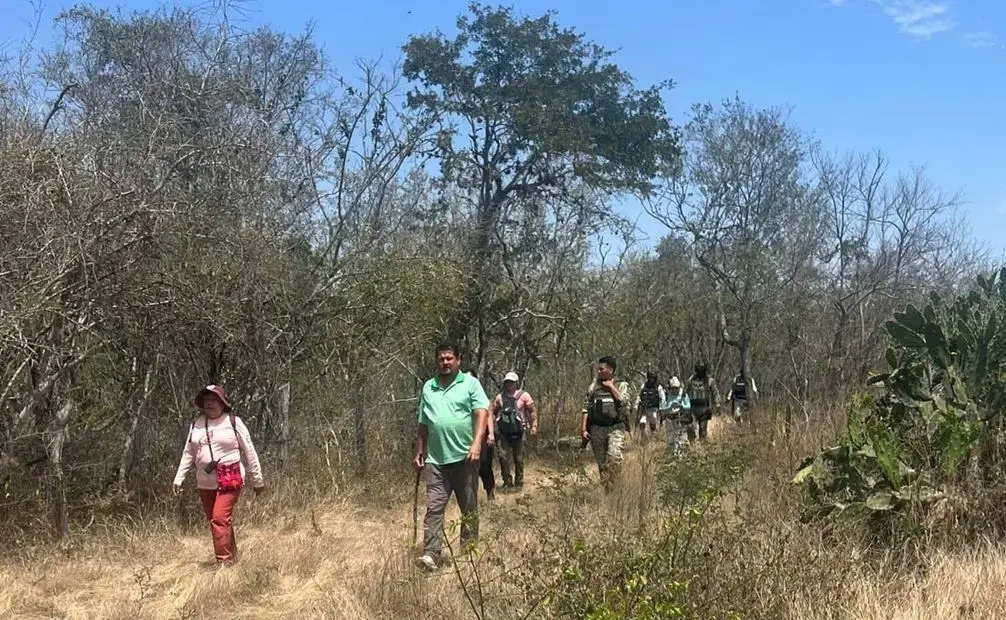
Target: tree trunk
(360, 432)
(128, 448)
(839, 349)
(60, 517)
(284, 427)
(560, 395)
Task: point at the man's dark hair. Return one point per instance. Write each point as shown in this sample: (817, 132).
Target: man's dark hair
(609, 360)
(651, 379)
(449, 345)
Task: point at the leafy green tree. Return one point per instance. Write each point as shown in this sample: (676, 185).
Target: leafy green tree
(529, 112)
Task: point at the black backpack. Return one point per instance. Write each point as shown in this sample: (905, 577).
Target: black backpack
(508, 423)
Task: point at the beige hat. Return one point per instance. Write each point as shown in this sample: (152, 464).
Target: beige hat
(511, 376)
(674, 382)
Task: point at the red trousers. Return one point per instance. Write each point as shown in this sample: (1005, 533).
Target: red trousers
(219, 509)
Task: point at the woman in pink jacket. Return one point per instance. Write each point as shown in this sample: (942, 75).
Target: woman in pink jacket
(215, 446)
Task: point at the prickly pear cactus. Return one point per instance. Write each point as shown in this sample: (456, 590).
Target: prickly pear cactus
(910, 434)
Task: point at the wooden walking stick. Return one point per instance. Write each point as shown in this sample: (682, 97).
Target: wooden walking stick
(415, 508)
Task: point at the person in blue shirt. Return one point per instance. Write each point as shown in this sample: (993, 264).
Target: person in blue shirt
(676, 411)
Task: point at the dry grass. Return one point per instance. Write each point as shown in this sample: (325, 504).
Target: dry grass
(967, 584)
(352, 558)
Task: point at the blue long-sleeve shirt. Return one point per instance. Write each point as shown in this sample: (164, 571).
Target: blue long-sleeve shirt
(670, 400)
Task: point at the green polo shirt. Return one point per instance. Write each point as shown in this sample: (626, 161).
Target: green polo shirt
(447, 412)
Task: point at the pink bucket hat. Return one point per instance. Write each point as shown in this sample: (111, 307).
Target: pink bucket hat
(217, 391)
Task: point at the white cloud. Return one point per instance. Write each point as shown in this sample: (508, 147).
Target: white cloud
(919, 18)
(980, 40)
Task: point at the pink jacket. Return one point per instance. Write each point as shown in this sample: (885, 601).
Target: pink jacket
(228, 442)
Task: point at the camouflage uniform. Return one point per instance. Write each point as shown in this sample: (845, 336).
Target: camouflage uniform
(607, 438)
(702, 408)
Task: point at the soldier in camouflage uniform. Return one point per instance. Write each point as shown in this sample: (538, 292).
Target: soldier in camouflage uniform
(605, 420)
(704, 397)
(741, 391)
(651, 395)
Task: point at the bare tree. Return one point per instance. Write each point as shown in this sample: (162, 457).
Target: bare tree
(887, 237)
(751, 211)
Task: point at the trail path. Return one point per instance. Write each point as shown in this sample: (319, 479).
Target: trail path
(336, 560)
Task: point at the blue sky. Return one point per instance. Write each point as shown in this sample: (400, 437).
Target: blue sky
(920, 79)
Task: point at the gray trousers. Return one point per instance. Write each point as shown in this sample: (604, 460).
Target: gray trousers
(458, 478)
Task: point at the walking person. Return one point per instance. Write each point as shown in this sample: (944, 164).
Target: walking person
(486, 474)
(648, 405)
(215, 446)
(604, 421)
(704, 398)
(514, 413)
(675, 411)
(452, 427)
(742, 388)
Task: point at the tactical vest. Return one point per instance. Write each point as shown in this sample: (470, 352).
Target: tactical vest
(602, 409)
(649, 397)
(740, 389)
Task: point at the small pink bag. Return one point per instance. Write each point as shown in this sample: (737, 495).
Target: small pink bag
(228, 475)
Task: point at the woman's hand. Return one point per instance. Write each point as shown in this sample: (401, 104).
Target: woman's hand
(176, 489)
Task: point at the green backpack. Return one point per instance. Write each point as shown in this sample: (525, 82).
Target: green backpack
(698, 391)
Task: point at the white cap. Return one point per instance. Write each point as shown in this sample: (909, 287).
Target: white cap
(511, 376)
(674, 382)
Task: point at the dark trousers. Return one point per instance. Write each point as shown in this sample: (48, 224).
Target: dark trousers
(511, 452)
(701, 414)
(486, 469)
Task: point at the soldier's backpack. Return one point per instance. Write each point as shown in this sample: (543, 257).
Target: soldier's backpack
(698, 391)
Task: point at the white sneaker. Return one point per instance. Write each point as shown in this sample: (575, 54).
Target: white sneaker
(426, 561)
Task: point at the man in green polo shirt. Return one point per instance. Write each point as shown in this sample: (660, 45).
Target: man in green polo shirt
(452, 424)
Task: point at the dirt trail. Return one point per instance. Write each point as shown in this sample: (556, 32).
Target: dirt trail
(336, 560)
